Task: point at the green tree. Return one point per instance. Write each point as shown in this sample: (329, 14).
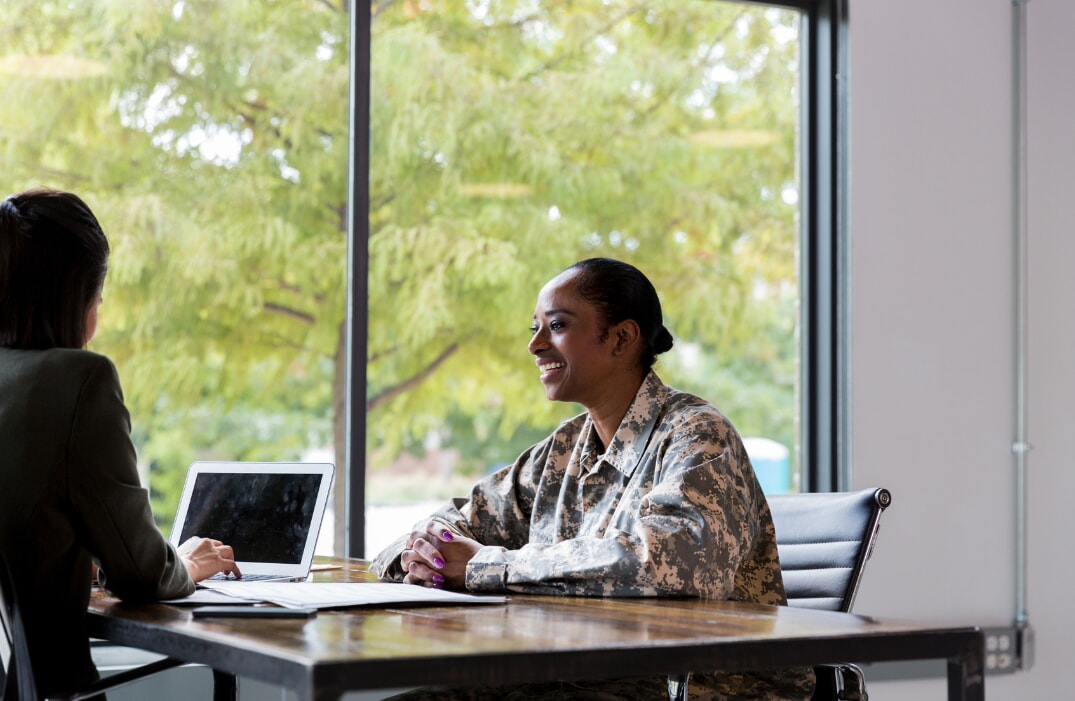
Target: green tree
(211, 139)
(508, 139)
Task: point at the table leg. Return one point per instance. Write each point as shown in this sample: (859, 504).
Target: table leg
(966, 673)
(225, 686)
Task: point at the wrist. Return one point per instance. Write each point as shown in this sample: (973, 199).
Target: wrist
(191, 568)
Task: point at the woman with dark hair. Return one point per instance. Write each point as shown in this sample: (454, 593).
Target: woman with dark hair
(70, 495)
(648, 493)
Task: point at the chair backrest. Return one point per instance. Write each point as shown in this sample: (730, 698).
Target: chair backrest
(824, 541)
(17, 676)
(7, 640)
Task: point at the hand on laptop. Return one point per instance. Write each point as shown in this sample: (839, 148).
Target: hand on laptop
(204, 557)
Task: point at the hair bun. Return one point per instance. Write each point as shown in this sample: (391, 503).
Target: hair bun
(663, 342)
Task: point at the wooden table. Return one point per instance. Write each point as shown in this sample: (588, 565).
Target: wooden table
(530, 638)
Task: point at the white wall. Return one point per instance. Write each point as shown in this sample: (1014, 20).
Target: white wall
(932, 319)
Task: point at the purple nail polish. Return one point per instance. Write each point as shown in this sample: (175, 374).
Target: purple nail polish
(438, 562)
(437, 579)
(446, 536)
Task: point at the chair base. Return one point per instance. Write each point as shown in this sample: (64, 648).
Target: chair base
(842, 682)
(678, 687)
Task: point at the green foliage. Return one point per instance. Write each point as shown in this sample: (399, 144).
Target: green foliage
(211, 140)
(530, 135)
(508, 140)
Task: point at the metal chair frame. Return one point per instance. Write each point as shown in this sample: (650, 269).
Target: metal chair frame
(824, 541)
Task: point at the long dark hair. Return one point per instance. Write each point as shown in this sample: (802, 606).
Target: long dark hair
(53, 260)
(619, 291)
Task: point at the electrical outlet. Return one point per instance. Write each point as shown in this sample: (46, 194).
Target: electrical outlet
(1001, 650)
(1008, 649)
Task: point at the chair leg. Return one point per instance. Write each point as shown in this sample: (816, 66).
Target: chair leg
(853, 683)
(826, 683)
(678, 686)
(225, 686)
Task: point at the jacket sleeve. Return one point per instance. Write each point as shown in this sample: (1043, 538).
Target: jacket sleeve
(108, 500)
(503, 519)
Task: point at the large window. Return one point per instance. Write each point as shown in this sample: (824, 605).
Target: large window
(510, 139)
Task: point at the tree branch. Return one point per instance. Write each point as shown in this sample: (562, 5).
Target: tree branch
(377, 9)
(295, 314)
(386, 199)
(661, 101)
(381, 355)
(570, 53)
(274, 341)
(390, 393)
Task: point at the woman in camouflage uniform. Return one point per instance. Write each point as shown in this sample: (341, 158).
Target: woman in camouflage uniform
(648, 493)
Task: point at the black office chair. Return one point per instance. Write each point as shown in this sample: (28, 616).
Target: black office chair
(824, 540)
(16, 674)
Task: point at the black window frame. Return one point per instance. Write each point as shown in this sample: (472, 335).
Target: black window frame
(826, 361)
(825, 353)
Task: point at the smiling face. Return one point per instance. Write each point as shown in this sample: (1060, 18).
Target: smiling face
(575, 351)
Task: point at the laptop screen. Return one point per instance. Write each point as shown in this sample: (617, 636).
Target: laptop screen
(265, 517)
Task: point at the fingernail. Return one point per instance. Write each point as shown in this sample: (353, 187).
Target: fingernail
(438, 562)
(438, 580)
(446, 535)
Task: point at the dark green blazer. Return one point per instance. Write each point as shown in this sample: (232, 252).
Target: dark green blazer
(69, 492)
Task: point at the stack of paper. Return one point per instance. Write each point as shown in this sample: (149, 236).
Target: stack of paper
(332, 594)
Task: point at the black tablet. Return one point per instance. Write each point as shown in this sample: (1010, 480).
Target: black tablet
(252, 611)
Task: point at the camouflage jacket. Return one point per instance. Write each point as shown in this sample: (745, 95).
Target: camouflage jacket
(671, 508)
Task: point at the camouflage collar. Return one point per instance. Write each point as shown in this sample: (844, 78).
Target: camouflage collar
(629, 443)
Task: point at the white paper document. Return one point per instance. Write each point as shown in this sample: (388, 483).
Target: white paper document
(208, 596)
(342, 594)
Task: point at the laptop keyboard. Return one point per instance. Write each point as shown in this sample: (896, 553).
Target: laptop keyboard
(221, 577)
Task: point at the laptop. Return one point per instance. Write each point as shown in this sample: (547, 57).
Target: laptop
(269, 512)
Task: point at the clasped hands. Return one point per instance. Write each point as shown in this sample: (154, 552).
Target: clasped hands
(436, 557)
